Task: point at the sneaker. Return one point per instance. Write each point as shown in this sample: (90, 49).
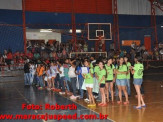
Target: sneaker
(68, 93)
(86, 100)
(40, 88)
(95, 97)
(77, 96)
(80, 97)
(73, 97)
(63, 93)
(48, 89)
(60, 93)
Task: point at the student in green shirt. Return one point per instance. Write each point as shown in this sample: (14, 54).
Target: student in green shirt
(110, 69)
(101, 78)
(121, 71)
(96, 69)
(128, 64)
(137, 71)
(89, 83)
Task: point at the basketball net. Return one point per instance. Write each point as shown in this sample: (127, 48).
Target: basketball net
(101, 39)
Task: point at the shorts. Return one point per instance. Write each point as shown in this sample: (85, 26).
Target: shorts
(108, 81)
(137, 81)
(121, 82)
(49, 77)
(102, 85)
(89, 85)
(46, 78)
(53, 76)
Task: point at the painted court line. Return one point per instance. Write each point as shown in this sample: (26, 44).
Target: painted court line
(85, 107)
(27, 101)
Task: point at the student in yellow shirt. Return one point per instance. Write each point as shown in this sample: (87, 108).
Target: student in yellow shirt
(89, 82)
(110, 69)
(101, 78)
(137, 71)
(121, 76)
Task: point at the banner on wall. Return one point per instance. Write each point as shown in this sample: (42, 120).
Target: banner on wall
(129, 42)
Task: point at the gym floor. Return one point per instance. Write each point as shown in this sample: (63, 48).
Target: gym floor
(14, 94)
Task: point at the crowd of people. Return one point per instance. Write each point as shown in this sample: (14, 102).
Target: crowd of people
(55, 50)
(47, 66)
(102, 79)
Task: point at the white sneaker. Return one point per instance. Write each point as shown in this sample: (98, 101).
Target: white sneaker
(77, 96)
(86, 100)
(60, 93)
(63, 92)
(95, 97)
(48, 89)
(73, 97)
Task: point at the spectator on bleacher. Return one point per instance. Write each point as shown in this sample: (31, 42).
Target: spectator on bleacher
(121, 53)
(54, 56)
(30, 55)
(161, 54)
(5, 55)
(156, 54)
(16, 57)
(64, 53)
(22, 55)
(36, 56)
(85, 47)
(138, 51)
(29, 45)
(45, 55)
(2, 63)
(145, 55)
(59, 55)
(133, 45)
(42, 46)
(21, 62)
(9, 59)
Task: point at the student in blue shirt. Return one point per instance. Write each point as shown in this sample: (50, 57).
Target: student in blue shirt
(80, 79)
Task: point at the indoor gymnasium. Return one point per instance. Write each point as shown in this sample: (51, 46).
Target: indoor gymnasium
(81, 60)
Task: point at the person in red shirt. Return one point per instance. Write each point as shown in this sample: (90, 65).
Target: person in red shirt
(22, 54)
(30, 55)
(9, 58)
(21, 62)
(47, 61)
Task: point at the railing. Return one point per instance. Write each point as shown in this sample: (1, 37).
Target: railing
(12, 67)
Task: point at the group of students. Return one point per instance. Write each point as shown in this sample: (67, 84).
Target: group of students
(66, 76)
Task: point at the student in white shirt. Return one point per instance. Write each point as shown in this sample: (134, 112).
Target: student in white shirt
(49, 77)
(73, 79)
(53, 75)
(62, 77)
(32, 72)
